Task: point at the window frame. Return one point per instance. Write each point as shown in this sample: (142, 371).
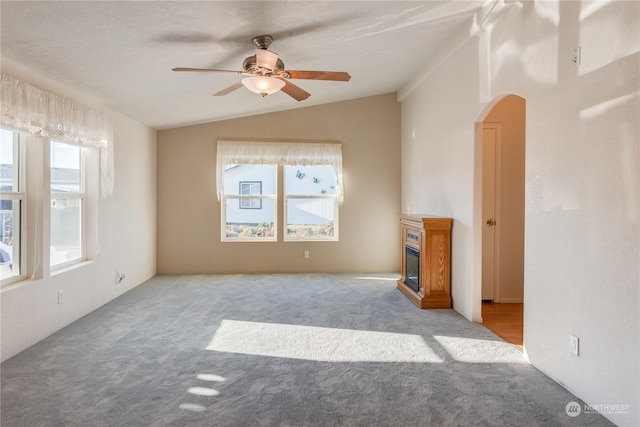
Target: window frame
(80, 195)
(19, 161)
(289, 197)
(228, 198)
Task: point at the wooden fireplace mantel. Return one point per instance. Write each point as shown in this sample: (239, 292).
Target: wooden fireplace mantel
(431, 236)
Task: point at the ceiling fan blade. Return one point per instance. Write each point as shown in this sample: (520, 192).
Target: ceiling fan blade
(339, 76)
(266, 59)
(229, 89)
(206, 69)
(294, 91)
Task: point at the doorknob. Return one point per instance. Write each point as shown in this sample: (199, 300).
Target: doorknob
(491, 222)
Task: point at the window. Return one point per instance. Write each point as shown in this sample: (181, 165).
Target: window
(11, 206)
(67, 204)
(312, 191)
(57, 204)
(251, 187)
(250, 202)
(311, 203)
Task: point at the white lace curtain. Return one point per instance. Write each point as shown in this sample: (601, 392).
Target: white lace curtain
(278, 153)
(27, 108)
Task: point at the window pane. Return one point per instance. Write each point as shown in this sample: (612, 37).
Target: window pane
(314, 216)
(309, 180)
(66, 230)
(311, 218)
(8, 162)
(250, 223)
(9, 238)
(65, 168)
(234, 174)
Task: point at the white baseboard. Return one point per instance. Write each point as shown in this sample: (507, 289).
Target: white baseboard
(510, 300)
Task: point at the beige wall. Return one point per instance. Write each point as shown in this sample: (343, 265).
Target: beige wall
(189, 214)
(510, 114)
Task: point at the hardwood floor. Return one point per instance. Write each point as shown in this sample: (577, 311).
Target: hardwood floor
(505, 320)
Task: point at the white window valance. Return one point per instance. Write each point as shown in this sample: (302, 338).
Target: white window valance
(29, 109)
(278, 153)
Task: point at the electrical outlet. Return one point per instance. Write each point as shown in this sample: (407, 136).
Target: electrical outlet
(577, 55)
(575, 345)
(306, 254)
(60, 297)
(119, 277)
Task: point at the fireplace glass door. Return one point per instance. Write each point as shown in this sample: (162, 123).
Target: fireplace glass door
(412, 268)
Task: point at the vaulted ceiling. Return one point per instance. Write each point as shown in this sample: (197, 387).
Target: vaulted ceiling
(120, 54)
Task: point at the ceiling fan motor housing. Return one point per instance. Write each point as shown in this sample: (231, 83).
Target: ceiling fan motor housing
(250, 65)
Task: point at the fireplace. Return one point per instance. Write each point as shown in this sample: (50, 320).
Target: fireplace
(412, 268)
(426, 260)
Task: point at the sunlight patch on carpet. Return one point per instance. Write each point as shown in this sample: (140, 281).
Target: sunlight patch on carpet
(471, 350)
(203, 391)
(193, 407)
(210, 377)
(319, 344)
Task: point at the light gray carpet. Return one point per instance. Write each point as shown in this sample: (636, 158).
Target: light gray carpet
(277, 350)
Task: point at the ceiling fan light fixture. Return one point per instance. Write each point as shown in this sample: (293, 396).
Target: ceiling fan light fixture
(263, 85)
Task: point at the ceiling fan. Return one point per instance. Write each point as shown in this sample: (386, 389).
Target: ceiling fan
(265, 73)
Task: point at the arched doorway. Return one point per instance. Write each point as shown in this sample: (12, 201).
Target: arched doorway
(500, 135)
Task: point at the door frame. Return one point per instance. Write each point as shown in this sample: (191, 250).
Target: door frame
(478, 223)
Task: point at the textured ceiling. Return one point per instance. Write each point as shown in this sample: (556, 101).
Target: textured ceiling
(121, 53)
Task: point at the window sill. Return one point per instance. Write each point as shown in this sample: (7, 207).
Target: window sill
(12, 282)
(61, 270)
(248, 240)
(307, 239)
